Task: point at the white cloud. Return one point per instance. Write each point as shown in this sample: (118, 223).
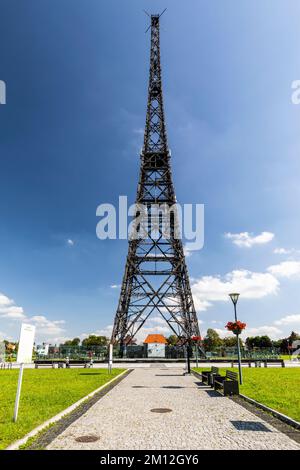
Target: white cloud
(47, 327)
(281, 251)
(273, 331)
(269, 330)
(44, 327)
(2, 336)
(289, 320)
(139, 131)
(216, 322)
(288, 269)
(246, 239)
(158, 320)
(106, 331)
(152, 329)
(55, 340)
(115, 286)
(4, 300)
(250, 285)
(8, 308)
(70, 242)
(13, 312)
(223, 333)
(285, 251)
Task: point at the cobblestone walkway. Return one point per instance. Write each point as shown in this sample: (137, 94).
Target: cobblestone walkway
(200, 418)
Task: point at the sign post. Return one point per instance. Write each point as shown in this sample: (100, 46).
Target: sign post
(24, 357)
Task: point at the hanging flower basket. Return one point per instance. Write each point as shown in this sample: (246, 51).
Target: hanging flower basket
(236, 327)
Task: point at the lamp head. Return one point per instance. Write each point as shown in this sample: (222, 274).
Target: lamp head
(234, 297)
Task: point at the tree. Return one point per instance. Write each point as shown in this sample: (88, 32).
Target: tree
(229, 341)
(212, 340)
(285, 343)
(172, 340)
(282, 344)
(76, 341)
(259, 342)
(94, 340)
(72, 342)
(293, 337)
(265, 342)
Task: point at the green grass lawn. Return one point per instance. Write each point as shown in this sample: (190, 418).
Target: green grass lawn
(44, 394)
(278, 388)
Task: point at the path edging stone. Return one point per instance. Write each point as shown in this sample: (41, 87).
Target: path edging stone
(286, 419)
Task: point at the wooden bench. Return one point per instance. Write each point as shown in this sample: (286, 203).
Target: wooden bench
(228, 383)
(52, 365)
(63, 364)
(260, 362)
(46, 364)
(207, 375)
(85, 365)
(276, 362)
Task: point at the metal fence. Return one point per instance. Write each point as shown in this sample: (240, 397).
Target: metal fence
(100, 353)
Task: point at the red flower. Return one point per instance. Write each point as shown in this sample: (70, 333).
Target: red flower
(237, 326)
(196, 338)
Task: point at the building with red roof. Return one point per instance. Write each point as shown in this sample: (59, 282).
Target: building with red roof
(156, 345)
(155, 339)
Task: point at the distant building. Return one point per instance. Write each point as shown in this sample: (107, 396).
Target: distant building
(42, 349)
(156, 345)
(53, 350)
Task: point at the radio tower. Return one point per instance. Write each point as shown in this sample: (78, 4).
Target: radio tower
(156, 279)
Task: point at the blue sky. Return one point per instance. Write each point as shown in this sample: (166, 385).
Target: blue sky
(76, 75)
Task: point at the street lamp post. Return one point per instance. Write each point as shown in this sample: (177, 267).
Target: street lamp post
(196, 340)
(234, 297)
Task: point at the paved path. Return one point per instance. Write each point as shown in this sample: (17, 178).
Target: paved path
(200, 418)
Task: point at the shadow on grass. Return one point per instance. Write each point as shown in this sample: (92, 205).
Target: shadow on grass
(90, 373)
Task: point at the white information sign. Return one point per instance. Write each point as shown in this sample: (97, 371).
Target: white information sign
(26, 344)
(2, 351)
(24, 357)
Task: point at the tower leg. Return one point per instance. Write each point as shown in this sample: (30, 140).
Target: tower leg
(121, 353)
